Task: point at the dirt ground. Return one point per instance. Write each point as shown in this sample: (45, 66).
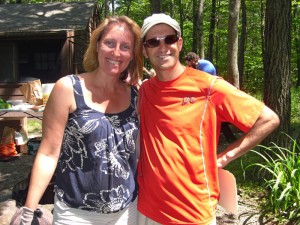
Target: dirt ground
(16, 170)
(12, 172)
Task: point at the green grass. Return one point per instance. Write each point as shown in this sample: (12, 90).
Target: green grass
(34, 126)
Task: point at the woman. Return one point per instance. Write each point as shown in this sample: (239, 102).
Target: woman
(89, 128)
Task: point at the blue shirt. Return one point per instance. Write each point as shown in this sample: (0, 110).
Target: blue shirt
(206, 66)
(97, 166)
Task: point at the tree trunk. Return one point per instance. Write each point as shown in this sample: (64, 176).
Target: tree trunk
(128, 8)
(181, 17)
(106, 8)
(277, 65)
(211, 40)
(113, 7)
(242, 46)
(199, 27)
(262, 25)
(232, 49)
(195, 30)
(155, 6)
(217, 36)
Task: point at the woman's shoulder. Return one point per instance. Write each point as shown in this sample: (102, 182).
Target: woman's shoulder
(65, 81)
(66, 84)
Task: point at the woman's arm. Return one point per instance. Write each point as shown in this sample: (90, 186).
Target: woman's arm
(61, 102)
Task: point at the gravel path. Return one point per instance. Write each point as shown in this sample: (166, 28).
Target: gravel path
(248, 213)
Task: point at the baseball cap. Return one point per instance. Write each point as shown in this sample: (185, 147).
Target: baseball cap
(157, 19)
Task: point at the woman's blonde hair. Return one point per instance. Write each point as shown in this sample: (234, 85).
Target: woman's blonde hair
(135, 67)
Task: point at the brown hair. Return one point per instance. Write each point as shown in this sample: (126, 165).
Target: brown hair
(193, 58)
(135, 67)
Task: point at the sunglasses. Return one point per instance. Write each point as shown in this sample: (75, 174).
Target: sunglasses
(154, 42)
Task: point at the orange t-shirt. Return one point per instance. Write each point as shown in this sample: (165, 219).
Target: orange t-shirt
(180, 123)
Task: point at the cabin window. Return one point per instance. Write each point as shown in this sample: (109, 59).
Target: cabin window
(24, 60)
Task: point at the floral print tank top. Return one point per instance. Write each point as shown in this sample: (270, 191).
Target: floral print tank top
(97, 165)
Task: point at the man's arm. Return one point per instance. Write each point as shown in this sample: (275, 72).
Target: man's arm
(264, 125)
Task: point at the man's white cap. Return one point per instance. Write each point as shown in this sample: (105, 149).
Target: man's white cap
(157, 19)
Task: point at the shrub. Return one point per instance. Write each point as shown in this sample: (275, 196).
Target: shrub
(280, 169)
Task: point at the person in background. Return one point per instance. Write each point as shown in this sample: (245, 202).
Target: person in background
(206, 66)
(178, 164)
(89, 129)
(193, 60)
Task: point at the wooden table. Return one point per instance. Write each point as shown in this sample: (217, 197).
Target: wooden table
(20, 111)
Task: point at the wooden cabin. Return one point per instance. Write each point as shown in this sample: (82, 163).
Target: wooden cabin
(44, 41)
(41, 41)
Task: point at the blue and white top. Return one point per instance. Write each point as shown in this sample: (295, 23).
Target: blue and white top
(97, 165)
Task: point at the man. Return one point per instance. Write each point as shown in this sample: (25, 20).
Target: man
(193, 60)
(181, 110)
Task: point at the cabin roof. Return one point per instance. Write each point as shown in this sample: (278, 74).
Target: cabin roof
(19, 18)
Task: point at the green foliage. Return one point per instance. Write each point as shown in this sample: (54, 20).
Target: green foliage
(295, 112)
(188, 37)
(136, 10)
(280, 170)
(34, 126)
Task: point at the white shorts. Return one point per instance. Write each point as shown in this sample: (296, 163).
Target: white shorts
(65, 215)
(143, 220)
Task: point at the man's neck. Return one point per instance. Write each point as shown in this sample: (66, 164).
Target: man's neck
(171, 73)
